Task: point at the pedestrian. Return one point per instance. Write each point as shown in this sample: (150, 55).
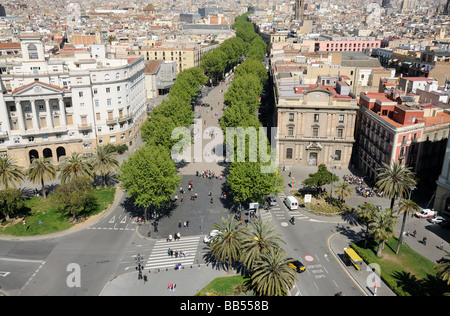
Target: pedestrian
(187, 223)
(178, 235)
(441, 246)
(169, 286)
(182, 198)
(174, 286)
(145, 278)
(414, 233)
(424, 241)
(169, 251)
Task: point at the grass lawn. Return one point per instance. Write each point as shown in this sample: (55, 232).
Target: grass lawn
(43, 217)
(225, 286)
(407, 273)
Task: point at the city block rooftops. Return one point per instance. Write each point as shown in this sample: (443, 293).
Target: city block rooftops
(399, 115)
(288, 89)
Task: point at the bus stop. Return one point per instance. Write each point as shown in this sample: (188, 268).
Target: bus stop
(351, 257)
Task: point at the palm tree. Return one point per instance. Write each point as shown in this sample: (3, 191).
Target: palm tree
(365, 214)
(41, 169)
(74, 166)
(259, 240)
(273, 276)
(395, 181)
(406, 206)
(382, 227)
(443, 268)
(105, 161)
(343, 190)
(226, 245)
(10, 173)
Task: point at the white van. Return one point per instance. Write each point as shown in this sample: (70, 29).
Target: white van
(291, 202)
(210, 236)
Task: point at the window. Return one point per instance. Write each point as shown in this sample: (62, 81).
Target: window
(289, 153)
(340, 132)
(106, 77)
(112, 139)
(108, 102)
(291, 117)
(108, 90)
(80, 94)
(341, 118)
(316, 118)
(95, 91)
(290, 130)
(97, 104)
(315, 131)
(32, 52)
(117, 76)
(337, 153)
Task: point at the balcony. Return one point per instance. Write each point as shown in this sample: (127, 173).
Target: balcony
(123, 118)
(111, 121)
(86, 126)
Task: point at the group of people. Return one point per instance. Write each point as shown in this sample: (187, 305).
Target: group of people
(175, 236)
(178, 254)
(367, 192)
(208, 174)
(351, 179)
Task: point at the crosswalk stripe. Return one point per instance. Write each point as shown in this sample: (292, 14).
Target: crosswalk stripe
(159, 257)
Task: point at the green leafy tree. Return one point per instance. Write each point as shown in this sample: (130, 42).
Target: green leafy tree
(320, 178)
(150, 177)
(11, 202)
(226, 245)
(76, 197)
(213, 63)
(75, 165)
(41, 169)
(406, 207)
(10, 173)
(252, 67)
(273, 276)
(105, 161)
(382, 227)
(395, 181)
(259, 240)
(248, 184)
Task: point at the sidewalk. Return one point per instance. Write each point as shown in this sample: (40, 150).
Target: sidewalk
(189, 281)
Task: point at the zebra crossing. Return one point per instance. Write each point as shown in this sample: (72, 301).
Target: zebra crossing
(187, 248)
(280, 213)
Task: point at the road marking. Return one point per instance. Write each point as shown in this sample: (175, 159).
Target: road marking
(3, 274)
(113, 219)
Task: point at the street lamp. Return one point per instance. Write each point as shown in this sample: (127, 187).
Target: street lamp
(334, 157)
(139, 267)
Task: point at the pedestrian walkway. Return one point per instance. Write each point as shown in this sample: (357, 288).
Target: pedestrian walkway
(168, 254)
(189, 281)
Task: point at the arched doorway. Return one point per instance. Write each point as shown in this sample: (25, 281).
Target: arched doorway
(33, 154)
(47, 152)
(60, 152)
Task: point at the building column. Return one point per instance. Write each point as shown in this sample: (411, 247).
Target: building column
(20, 117)
(49, 113)
(62, 109)
(35, 115)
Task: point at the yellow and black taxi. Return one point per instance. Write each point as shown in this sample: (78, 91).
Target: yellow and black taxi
(297, 265)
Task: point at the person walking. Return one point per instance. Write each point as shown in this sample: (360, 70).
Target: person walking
(145, 278)
(169, 286)
(174, 286)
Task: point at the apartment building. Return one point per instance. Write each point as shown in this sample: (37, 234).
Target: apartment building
(186, 55)
(393, 128)
(53, 106)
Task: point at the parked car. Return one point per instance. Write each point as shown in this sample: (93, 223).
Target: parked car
(297, 265)
(210, 236)
(272, 201)
(436, 219)
(425, 213)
